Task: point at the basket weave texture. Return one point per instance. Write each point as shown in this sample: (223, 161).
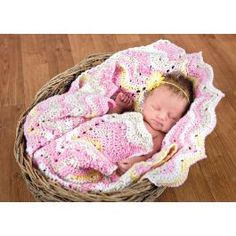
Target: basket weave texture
(45, 189)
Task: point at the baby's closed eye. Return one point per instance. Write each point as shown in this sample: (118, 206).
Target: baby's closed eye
(172, 117)
(155, 108)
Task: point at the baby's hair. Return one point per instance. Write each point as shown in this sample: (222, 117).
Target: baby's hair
(183, 87)
(182, 81)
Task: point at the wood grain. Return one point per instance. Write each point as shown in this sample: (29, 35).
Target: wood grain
(29, 61)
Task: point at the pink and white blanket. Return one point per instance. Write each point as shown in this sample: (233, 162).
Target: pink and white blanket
(72, 140)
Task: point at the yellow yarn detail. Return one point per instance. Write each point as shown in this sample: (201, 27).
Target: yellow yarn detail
(33, 112)
(74, 137)
(200, 141)
(90, 176)
(84, 78)
(96, 144)
(123, 76)
(134, 176)
(154, 80)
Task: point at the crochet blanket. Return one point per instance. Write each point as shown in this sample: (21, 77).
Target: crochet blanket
(97, 144)
(56, 124)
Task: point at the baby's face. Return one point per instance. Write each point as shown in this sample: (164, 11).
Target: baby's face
(162, 109)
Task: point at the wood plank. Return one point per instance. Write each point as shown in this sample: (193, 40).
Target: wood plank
(12, 185)
(43, 57)
(11, 78)
(81, 46)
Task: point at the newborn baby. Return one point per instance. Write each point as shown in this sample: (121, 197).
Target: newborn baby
(111, 144)
(162, 108)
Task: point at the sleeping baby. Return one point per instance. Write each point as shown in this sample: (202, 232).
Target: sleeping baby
(163, 107)
(114, 142)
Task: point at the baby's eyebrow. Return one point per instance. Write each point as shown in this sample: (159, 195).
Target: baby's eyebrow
(155, 106)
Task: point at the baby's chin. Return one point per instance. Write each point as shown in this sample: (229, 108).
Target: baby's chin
(156, 128)
(159, 129)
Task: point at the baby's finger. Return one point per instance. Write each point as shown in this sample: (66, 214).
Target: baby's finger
(121, 95)
(123, 165)
(123, 168)
(131, 104)
(123, 162)
(125, 99)
(130, 101)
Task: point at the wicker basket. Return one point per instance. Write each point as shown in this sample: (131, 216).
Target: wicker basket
(44, 189)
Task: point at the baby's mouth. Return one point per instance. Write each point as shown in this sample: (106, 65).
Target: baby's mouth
(157, 123)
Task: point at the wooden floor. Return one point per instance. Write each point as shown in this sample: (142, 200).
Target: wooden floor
(29, 61)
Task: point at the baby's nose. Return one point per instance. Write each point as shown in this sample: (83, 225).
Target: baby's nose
(161, 116)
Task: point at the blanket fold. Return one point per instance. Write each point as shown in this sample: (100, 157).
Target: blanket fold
(60, 114)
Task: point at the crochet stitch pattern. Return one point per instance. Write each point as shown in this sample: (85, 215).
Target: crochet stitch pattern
(74, 152)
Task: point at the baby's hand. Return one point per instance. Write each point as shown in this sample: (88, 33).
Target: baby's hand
(124, 101)
(126, 164)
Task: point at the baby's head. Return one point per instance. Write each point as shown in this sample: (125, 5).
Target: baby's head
(166, 104)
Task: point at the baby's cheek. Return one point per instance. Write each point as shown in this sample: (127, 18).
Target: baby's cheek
(168, 126)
